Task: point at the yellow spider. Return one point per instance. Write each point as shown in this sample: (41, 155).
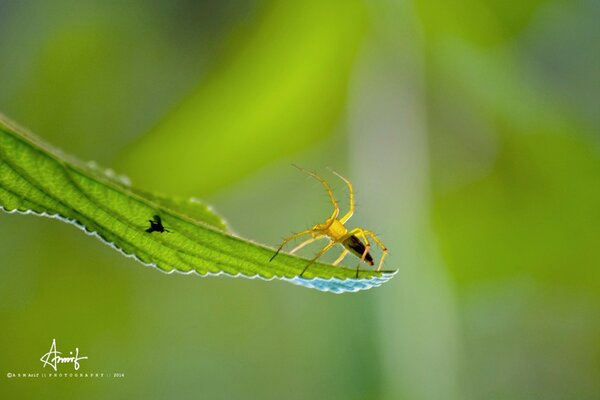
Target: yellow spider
(334, 230)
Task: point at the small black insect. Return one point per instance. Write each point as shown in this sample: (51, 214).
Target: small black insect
(156, 225)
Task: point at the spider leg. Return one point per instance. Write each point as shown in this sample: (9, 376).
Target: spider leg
(309, 241)
(362, 234)
(367, 246)
(319, 254)
(294, 236)
(380, 244)
(336, 208)
(348, 215)
(341, 257)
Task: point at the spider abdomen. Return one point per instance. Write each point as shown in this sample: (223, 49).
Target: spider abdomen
(357, 248)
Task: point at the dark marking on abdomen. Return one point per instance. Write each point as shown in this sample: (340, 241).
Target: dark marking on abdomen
(357, 248)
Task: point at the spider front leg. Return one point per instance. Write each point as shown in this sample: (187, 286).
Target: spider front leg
(336, 208)
(287, 240)
(350, 212)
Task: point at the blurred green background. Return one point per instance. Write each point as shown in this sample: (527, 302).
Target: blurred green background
(471, 131)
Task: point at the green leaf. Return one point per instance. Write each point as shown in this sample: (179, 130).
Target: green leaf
(34, 178)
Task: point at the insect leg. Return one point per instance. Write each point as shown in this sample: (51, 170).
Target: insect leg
(350, 212)
(336, 208)
(319, 254)
(341, 257)
(294, 236)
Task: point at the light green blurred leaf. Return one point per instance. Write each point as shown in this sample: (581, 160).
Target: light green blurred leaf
(486, 23)
(537, 213)
(533, 209)
(35, 179)
(279, 90)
